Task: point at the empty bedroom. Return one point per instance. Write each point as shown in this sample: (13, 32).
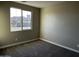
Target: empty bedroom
(39, 28)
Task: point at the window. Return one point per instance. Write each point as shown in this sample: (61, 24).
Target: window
(15, 19)
(19, 19)
(26, 20)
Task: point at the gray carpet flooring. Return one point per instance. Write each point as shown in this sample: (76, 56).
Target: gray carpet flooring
(37, 48)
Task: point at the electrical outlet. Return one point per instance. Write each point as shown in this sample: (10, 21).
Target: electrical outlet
(16, 39)
(78, 45)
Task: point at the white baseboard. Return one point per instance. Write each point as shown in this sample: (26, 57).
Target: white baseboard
(68, 48)
(5, 46)
(40, 39)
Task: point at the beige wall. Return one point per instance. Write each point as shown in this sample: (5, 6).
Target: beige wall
(7, 37)
(60, 24)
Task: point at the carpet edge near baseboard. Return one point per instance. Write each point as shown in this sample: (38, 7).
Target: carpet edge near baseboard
(14, 44)
(68, 48)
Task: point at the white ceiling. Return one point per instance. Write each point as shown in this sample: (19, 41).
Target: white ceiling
(40, 4)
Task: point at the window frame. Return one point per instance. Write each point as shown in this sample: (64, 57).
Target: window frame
(21, 19)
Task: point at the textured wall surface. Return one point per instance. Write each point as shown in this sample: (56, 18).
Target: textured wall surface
(60, 24)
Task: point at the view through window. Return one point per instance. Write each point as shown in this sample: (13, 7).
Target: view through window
(19, 19)
(26, 20)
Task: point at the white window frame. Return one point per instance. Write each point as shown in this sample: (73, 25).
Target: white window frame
(21, 20)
